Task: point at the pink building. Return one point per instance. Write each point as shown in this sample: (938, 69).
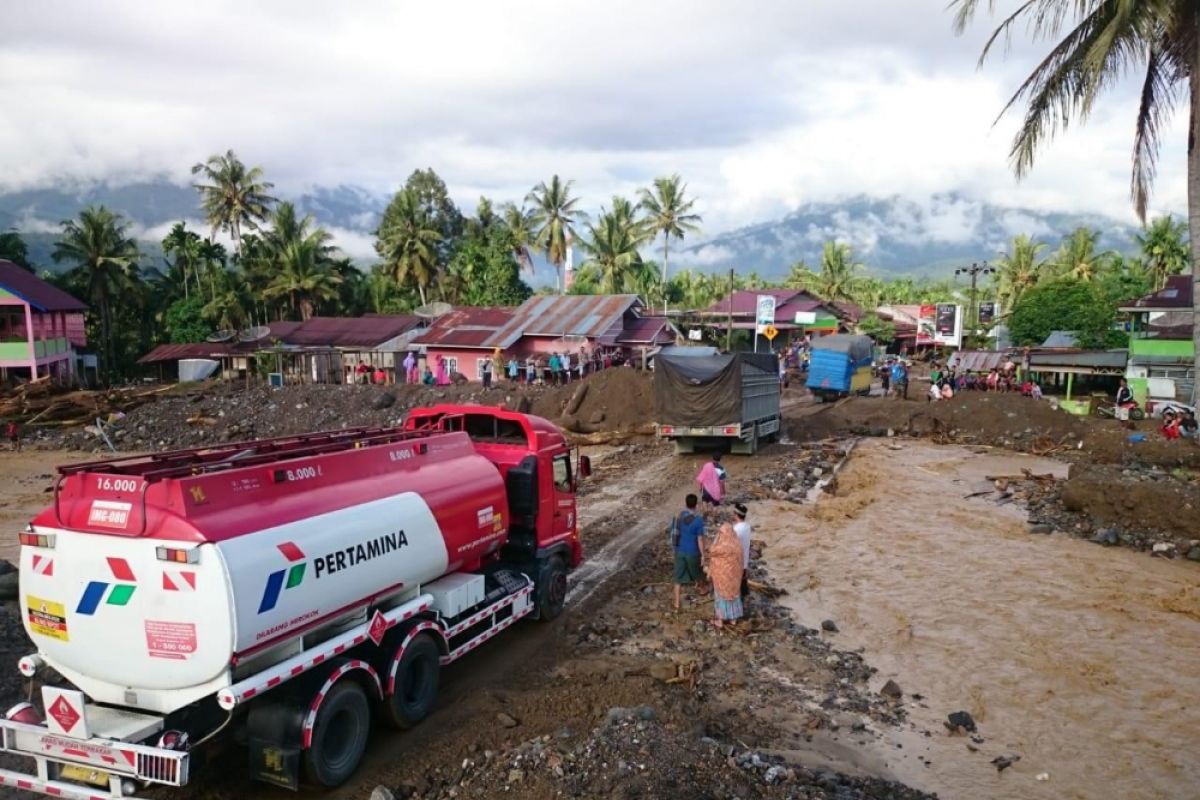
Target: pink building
(542, 325)
(40, 326)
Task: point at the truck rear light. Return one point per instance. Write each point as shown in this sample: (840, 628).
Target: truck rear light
(173, 740)
(667, 430)
(190, 555)
(25, 713)
(732, 430)
(37, 539)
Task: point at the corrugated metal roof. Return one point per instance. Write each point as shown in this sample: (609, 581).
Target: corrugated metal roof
(977, 360)
(564, 315)
(38, 293)
(1061, 339)
(1088, 359)
(647, 330)
(1176, 294)
(464, 327)
(746, 302)
(174, 352)
(350, 331)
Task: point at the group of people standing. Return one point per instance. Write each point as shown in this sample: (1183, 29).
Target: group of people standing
(715, 562)
(555, 368)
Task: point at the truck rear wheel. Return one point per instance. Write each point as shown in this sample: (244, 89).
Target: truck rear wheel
(416, 684)
(339, 735)
(551, 589)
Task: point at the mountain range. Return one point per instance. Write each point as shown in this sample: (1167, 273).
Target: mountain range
(892, 235)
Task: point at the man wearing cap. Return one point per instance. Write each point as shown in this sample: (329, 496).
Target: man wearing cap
(742, 529)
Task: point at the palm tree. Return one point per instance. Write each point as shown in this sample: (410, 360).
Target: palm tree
(1018, 270)
(554, 219)
(184, 246)
(1107, 40)
(1077, 257)
(234, 196)
(612, 245)
(302, 261)
(99, 245)
(212, 259)
(1164, 248)
(14, 249)
(407, 241)
(839, 272)
(668, 212)
(521, 224)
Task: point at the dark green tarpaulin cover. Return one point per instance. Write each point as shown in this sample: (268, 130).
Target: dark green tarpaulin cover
(702, 392)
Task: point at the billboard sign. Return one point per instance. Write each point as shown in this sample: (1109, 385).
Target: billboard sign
(806, 317)
(925, 324)
(947, 325)
(988, 313)
(766, 312)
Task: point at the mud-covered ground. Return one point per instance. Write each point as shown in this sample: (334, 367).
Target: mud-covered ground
(622, 698)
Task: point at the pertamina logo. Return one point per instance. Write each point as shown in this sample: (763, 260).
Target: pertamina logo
(294, 573)
(64, 713)
(120, 593)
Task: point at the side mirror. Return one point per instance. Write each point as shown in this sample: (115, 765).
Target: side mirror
(585, 467)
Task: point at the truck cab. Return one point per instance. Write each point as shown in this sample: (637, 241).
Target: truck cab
(541, 474)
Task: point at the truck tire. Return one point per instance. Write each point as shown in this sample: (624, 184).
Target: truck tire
(551, 589)
(339, 735)
(416, 684)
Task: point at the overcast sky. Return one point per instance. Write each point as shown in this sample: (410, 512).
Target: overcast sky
(759, 105)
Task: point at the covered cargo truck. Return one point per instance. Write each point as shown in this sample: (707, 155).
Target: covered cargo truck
(840, 366)
(287, 589)
(717, 399)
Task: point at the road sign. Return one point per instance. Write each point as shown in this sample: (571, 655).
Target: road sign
(770, 332)
(765, 311)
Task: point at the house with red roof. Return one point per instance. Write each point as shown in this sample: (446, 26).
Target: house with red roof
(40, 326)
(798, 313)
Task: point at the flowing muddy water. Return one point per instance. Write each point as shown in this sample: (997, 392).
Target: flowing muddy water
(1080, 659)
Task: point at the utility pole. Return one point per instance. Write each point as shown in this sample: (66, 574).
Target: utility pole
(975, 270)
(729, 330)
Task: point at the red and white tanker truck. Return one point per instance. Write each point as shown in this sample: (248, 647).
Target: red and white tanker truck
(291, 588)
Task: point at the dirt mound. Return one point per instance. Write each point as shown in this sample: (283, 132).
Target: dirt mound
(205, 414)
(614, 400)
(1137, 500)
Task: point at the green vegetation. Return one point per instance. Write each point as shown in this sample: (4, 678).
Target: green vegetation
(1065, 304)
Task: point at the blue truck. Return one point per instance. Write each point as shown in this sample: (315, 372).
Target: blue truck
(840, 366)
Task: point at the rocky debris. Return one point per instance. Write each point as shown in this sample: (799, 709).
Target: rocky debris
(1106, 536)
(891, 690)
(829, 626)
(382, 793)
(506, 721)
(1041, 528)
(1004, 762)
(1193, 553)
(959, 722)
(799, 472)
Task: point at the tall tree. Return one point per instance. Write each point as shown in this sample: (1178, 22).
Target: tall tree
(184, 246)
(612, 246)
(1018, 270)
(14, 249)
(669, 212)
(521, 224)
(1164, 248)
(839, 272)
(1106, 40)
(554, 219)
(302, 256)
(1077, 257)
(99, 246)
(233, 196)
(407, 241)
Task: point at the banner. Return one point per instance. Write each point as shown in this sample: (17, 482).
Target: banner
(947, 325)
(766, 312)
(988, 313)
(925, 324)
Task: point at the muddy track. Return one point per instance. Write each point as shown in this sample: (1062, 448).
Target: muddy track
(619, 516)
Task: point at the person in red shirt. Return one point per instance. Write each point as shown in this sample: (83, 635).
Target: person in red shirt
(13, 432)
(361, 372)
(1170, 425)
(380, 377)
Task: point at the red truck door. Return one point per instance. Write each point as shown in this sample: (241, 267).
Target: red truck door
(563, 520)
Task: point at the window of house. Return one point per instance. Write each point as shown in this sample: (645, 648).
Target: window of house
(451, 364)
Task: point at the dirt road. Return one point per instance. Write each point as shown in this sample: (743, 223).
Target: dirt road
(1077, 658)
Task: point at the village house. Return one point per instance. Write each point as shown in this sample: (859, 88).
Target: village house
(546, 324)
(1161, 348)
(41, 327)
(798, 313)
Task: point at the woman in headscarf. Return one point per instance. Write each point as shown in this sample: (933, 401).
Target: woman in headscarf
(725, 560)
(441, 377)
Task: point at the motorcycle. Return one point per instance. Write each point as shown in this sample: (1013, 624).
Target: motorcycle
(1130, 410)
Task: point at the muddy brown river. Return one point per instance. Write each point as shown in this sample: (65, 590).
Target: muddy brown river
(1082, 660)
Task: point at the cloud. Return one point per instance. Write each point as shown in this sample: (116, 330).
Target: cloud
(761, 107)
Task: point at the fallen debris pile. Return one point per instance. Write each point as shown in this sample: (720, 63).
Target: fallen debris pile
(42, 405)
